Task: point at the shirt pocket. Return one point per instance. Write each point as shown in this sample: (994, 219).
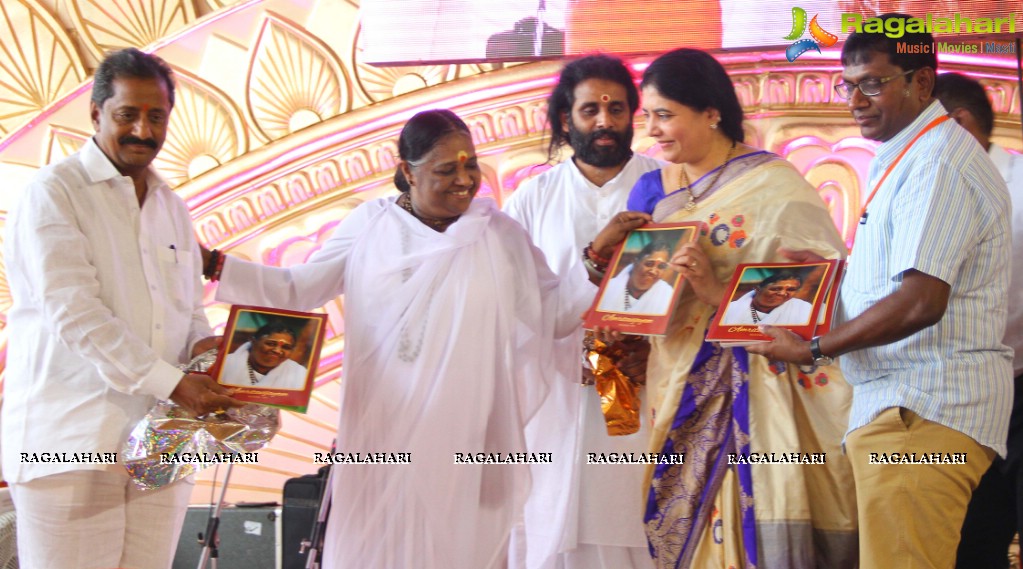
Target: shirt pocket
(177, 276)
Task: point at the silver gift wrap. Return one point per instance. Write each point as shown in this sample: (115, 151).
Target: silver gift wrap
(171, 443)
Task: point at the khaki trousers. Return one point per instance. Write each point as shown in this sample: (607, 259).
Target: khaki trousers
(911, 514)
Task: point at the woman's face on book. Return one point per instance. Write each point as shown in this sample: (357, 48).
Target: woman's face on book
(775, 294)
(271, 350)
(647, 271)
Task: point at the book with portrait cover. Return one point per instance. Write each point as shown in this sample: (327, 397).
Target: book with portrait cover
(798, 296)
(830, 306)
(269, 356)
(639, 290)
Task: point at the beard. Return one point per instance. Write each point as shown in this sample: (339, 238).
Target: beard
(586, 148)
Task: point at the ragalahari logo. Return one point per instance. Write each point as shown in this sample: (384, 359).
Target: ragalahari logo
(820, 36)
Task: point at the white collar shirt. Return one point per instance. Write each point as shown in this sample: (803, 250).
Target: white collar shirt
(942, 212)
(107, 298)
(563, 211)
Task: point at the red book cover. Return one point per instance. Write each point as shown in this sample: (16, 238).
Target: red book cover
(640, 290)
(789, 295)
(269, 356)
(827, 318)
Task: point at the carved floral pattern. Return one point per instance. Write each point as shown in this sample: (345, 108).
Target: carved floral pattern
(38, 62)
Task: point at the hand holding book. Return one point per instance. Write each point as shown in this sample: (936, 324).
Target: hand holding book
(800, 255)
(696, 268)
(641, 286)
(784, 346)
(797, 296)
(269, 355)
(617, 230)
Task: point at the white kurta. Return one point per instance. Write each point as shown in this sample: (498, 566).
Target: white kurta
(792, 312)
(446, 335)
(574, 504)
(107, 300)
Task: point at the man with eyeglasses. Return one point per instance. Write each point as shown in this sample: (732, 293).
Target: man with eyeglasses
(922, 311)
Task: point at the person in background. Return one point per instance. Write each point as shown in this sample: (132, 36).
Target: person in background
(583, 515)
(921, 312)
(710, 402)
(996, 507)
(450, 313)
(105, 272)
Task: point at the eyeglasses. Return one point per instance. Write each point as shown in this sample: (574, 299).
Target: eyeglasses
(650, 263)
(869, 87)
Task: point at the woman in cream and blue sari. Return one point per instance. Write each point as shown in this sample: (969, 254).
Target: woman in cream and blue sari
(723, 408)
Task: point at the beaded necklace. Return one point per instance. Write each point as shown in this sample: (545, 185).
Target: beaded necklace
(252, 374)
(439, 225)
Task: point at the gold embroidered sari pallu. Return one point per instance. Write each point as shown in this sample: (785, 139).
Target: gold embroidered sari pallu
(745, 497)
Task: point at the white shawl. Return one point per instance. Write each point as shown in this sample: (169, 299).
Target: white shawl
(447, 340)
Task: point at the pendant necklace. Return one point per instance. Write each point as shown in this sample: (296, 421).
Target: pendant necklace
(686, 185)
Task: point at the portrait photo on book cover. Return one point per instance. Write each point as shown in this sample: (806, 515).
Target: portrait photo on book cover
(269, 349)
(642, 282)
(781, 296)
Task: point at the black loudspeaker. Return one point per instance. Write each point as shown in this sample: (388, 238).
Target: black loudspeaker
(301, 506)
(249, 538)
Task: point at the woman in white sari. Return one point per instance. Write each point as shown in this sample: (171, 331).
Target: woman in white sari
(449, 311)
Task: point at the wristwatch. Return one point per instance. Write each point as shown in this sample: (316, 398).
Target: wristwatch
(819, 359)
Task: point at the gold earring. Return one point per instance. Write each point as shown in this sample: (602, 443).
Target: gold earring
(715, 125)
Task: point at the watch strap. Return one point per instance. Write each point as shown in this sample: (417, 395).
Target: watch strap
(815, 348)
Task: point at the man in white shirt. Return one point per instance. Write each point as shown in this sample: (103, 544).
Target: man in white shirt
(993, 516)
(582, 515)
(104, 272)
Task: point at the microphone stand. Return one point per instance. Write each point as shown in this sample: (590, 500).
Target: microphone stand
(210, 539)
(538, 32)
(314, 544)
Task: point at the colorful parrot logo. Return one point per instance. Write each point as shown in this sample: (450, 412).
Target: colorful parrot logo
(821, 37)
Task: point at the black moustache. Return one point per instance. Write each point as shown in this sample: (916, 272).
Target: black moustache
(603, 132)
(126, 140)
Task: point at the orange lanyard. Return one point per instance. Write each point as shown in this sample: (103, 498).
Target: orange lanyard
(932, 124)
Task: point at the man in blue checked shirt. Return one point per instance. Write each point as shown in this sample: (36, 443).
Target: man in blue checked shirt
(922, 309)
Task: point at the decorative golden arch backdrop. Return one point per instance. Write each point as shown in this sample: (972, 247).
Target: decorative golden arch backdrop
(279, 130)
